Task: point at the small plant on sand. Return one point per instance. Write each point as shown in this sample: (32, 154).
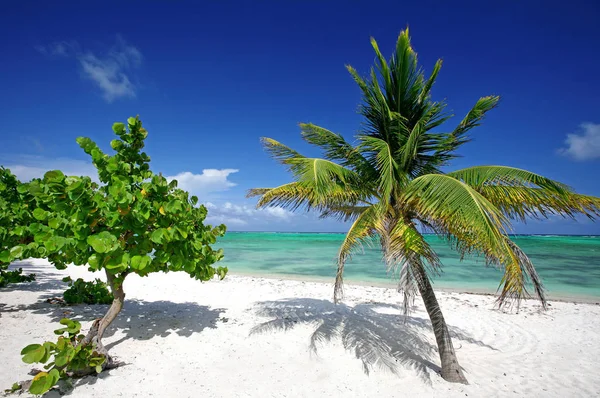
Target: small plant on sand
(65, 358)
(132, 222)
(14, 276)
(14, 210)
(394, 183)
(87, 292)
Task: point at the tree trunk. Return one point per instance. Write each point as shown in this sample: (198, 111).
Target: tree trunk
(451, 370)
(99, 326)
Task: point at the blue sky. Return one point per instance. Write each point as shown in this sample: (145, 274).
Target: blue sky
(209, 78)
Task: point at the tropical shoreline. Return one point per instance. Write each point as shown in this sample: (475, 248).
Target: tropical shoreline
(392, 285)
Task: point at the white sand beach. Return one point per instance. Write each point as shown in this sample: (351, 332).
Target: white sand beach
(251, 337)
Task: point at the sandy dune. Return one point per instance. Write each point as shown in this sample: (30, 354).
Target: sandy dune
(255, 337)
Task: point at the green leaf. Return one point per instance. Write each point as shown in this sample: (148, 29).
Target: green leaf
(54, 223)
(189, 267)
(40, 214)
(117, 263)
(41, 383)
(22, 188)
(74, 184)
(5, 256)
(118, 128)
(54, 176)
(98, 368)
(94, 262)
(173, 206)
(116, 144)
(33, 353)
(112, 165)
(64, 356)
(102, 242)
(16, 252)
(182, 231)
(132, 121)
(140, 262)
(159, 236)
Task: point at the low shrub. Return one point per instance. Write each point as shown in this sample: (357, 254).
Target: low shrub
(84, 292)
(15, 276)
(65, 358)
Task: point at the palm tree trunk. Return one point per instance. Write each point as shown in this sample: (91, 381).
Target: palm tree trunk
(451, 370)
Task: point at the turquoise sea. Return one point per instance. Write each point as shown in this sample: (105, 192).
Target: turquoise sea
(568, 265)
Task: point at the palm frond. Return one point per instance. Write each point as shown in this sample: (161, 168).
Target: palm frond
(335, 146)
(407, 254)
(476, 115)
(296, 195)
(521, 194)
(320, 175)
(479, 176)
(278, 151)
(362, 228)
(458, 211)
(518, 272)
(452, 141)
(523, 203)
(343, 213)
(380, 154)
(429, 83)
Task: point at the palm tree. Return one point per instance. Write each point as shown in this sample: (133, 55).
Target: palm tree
(391, 185)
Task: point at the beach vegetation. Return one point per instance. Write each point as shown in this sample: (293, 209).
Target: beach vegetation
(63, 359)
(87, 292)
(392, 184)
(128, 220)
(14, 210)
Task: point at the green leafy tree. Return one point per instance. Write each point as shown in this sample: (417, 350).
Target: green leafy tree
(392, 181)
(14, 210)
(132, 222)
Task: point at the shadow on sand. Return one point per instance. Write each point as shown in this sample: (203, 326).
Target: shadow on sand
(374, 332)
(139, 319)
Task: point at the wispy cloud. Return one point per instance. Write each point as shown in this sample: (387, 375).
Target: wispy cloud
(585, 145)
(209, 181)
(240, 215)
(112, 71)
(58, 48)
(27, 167)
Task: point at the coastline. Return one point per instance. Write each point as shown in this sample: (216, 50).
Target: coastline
(391, 285)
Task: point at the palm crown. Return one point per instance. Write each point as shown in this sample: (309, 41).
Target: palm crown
(391, 181)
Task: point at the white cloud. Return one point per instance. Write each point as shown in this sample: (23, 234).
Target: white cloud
(59, 48)
(584, 146)
(28, 167)
(112, 72)
(211, 180)
(237, 215)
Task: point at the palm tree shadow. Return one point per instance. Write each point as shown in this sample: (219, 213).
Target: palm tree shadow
(375, 332)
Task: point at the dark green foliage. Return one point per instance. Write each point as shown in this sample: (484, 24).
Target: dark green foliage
(87, 292)
(14, 276)
(63, 358)
(14, 211)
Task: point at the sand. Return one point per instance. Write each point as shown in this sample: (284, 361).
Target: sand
(256, 337)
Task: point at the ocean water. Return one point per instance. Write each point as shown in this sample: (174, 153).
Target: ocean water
(568, 265)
